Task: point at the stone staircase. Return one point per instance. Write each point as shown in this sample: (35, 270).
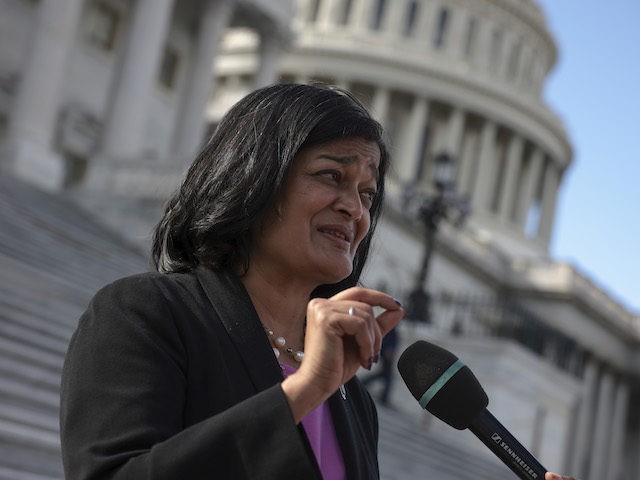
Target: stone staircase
(409, 452)
(53, 257)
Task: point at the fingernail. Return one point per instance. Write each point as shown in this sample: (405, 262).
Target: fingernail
(376, 358)
(370, 364)
(397, 302)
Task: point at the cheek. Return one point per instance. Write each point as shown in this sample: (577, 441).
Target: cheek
(363, 228)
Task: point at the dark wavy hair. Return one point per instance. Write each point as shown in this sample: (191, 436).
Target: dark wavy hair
(241, 170)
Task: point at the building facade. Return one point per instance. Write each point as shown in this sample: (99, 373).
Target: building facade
(103, 102)
(105, 99)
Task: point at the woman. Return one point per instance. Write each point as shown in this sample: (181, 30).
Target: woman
(237, 359)
(173, 374)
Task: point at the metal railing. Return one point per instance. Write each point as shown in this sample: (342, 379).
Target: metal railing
(472, 316)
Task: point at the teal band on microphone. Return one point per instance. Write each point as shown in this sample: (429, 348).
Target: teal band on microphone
(440, 382)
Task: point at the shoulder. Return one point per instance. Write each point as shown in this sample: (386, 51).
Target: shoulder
(153, 297)
(146, 282)
(147, 288)
(143, 300)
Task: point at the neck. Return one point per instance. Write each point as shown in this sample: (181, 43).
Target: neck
(281, 306)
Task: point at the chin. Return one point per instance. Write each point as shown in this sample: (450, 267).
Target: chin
(332, 270)
(337, 276)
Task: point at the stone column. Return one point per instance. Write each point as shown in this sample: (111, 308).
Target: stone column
(327, 14)
(602, 431)
(125, 125)
(525, 58)
(361, 12)
(301, 78)
(342, 83)
(483, 51)
(508, 43)
(457, 32)
(496, 52)
(510, 179)
(549, 195)
(29, 146)
(618, 432)
(200, 81)
(394, 16)
(380, 105)
(526, 196)
(271, 48)
(467, 157)
(584, 423)
(426, 21)
(413, 140)
(454, 132)
(302, 13)
(486, 171)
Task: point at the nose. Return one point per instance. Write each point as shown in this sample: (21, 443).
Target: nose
(350, 204)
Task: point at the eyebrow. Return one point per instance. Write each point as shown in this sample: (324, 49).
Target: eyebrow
(348, 159)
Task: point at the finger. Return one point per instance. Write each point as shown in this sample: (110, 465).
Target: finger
(376, 333)
(555, 476)
(359, 323)
(371, 297)
(389, 319)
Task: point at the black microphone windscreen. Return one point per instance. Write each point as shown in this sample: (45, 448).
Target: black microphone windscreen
(442, 384)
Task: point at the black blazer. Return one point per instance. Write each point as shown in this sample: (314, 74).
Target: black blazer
(171, 376)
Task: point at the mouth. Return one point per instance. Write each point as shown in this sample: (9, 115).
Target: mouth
(338, 233)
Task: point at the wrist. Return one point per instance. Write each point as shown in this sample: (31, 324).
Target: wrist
(302, 397)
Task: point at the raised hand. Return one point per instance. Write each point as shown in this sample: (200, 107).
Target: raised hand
(343, 334)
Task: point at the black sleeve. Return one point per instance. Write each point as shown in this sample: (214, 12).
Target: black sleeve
(123, 397)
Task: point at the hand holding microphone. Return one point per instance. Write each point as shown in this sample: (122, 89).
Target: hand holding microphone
(448, 389)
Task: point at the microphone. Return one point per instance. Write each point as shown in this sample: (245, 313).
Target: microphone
(448, 389)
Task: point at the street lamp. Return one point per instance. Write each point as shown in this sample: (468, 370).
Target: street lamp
(446, 204)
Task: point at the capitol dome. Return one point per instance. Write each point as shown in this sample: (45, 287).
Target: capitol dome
(457, 77)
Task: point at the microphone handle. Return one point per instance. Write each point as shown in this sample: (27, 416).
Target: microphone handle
(505, 446)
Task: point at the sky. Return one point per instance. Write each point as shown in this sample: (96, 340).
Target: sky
(595, 89)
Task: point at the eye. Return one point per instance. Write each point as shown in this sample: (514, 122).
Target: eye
(368, 196)
(333, 175)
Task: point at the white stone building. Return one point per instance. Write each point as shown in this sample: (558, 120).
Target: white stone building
(103, 102)
(105, 99)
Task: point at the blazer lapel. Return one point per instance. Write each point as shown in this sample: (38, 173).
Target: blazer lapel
(360, 462)
(346, 434)
(231, 302)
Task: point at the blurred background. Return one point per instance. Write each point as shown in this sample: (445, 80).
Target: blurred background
(104, 103)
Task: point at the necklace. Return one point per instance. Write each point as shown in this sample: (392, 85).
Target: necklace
(279, 343)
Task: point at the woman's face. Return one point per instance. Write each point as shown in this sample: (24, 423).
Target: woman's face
(322, 214)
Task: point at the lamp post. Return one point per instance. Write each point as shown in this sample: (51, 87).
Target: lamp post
(446, 204)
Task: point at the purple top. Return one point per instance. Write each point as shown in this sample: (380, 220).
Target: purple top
(318, 425)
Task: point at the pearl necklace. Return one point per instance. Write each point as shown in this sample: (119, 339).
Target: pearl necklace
(280, 343)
